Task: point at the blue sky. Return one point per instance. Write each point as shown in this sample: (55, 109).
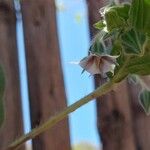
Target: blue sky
(74, 40)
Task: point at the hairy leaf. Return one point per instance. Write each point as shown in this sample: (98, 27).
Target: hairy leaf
(134, 64)
(139, 15)
(116, 17)
(139, 65)
(123, 10)
(147, 16)
(99, 25)
(144, 98)
(99, 45)
(125, 38)
(133, 41)
(113, 20)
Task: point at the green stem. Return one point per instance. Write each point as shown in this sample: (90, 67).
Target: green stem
(122, 73)
(60, 116)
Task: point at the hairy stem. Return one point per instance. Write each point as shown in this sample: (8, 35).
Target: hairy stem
(60, 116)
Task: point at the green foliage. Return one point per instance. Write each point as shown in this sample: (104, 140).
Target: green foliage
(125, 32)
(99, 25)
(133, 41)
(113, 21)
(2, 86)
(98, 46)
(139, 17)
(139, 65)
(144, 98)
(116, 17)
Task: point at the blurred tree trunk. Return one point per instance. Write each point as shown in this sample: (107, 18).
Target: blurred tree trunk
(114, 119)
(13, 125)
(121, 121)
(46, 87)
(141, 122)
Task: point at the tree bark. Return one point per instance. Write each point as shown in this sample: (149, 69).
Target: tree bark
(141, 122)
(46, 87)
(13, 124)
(114, 119)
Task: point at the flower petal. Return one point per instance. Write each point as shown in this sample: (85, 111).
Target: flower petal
(107, 66)
(90, 64)
(99, 64)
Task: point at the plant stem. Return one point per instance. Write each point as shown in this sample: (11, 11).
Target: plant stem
(60, 116)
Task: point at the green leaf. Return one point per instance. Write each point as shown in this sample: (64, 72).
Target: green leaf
(139, 65)
(125, 38)
(133, 41)
(139, 15)
(2, 86)
(133, 79)
(136, 64)
(99, 25)
(136, 14)
(113, 20)
(116, 17)
(98, 45)
(133, 64)
(147, 16)
(144, 98)
(123, 10)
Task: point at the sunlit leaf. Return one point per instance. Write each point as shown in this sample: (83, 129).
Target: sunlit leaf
(113, 20)
(99, 25)
(116, 17)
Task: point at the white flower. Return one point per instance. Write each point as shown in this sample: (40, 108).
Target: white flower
(99, 64)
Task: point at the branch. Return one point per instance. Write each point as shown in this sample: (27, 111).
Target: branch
(60, 116)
